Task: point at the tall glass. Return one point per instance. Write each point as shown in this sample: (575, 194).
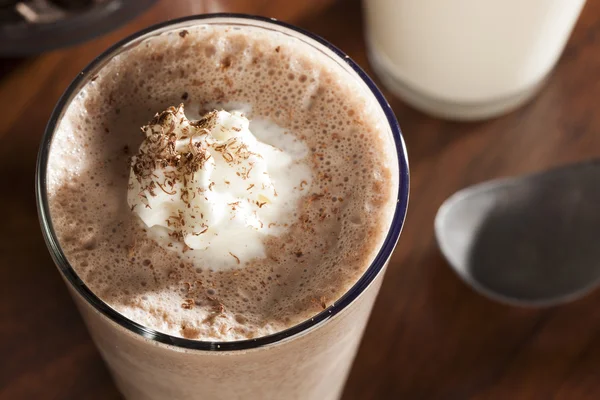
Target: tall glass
(467, 59)
(308, 361)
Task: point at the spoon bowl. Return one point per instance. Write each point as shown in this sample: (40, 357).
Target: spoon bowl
(532, 240)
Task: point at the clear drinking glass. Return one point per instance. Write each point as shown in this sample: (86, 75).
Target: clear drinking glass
(310, 360)
(467, 59)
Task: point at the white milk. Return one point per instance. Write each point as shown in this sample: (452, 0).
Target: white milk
(467, 59)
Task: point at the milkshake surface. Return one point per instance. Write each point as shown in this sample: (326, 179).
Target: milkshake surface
(340, 175)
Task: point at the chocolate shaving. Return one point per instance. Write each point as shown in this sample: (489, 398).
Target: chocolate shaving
(187, 304)
(236, 257)
(164, 190)
(200, 233)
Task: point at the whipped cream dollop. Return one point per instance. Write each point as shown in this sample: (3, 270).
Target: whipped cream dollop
(211, 190)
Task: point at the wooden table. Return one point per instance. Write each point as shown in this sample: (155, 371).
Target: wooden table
(430, 336)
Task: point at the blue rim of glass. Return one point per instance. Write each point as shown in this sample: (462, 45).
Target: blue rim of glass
(344, 301)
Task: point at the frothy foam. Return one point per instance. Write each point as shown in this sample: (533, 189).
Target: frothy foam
(297, 96)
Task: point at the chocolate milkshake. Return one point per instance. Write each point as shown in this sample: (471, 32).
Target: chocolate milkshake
(260, 190)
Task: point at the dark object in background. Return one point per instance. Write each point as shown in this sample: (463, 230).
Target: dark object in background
(33, 26)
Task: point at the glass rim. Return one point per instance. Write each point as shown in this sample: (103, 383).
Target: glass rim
(103, 308)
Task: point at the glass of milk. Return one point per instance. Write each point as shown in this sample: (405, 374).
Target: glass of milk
(467, 59)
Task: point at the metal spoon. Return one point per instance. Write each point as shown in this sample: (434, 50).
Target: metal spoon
(531, 240)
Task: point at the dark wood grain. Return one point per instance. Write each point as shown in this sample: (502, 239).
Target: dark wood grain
(430, 336)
